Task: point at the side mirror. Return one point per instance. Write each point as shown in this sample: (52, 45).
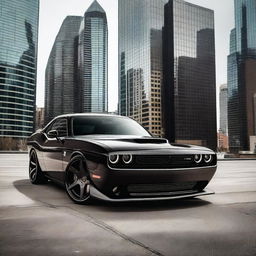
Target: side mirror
(53, 134)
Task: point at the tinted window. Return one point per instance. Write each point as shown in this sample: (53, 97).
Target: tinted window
(60, 125)
(107, 125)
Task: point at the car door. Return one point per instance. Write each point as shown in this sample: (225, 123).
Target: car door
(53, 148)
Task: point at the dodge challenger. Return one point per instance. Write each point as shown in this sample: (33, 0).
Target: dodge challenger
(113, 158)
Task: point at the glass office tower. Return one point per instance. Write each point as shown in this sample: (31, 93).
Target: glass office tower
(223, 104)
(61, 76)
(167, 69)
(189, 94)
(241, 76)
(245, 26)
(93, 60)
(140, 24)
(18, 60)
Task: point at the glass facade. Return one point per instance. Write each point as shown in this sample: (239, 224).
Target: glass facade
(245, 26)
(18, 60)
(223, 101)
(140, 24)
(189, 95)
(241, 78)
(233, 96)
(61, 76)
(93, 54)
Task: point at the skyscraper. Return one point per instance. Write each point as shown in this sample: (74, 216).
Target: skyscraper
(223, 103)
(18, 63)
(140, 25)
(171, 44)
(61, 76)
(241, 76)
(93, 60)
(76, 78)
(189, 70)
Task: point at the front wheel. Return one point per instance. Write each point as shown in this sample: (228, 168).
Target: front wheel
(77, 181)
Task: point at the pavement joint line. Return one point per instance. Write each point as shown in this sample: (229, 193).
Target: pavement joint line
(109, 228)
(47, 204)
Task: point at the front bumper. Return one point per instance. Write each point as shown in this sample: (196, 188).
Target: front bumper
(141, 181)
(178, 195)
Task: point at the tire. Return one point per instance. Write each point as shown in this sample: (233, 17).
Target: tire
(77, 182)
(36, 175)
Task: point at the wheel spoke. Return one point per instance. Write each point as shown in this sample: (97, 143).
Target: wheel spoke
(73, 185)
(32, 170)
(32, 163)
(87, 188)
(82, 186)
(33, 175)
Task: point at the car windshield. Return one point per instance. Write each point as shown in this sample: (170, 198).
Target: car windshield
(110, 125)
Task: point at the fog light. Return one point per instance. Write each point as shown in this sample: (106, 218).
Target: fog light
(198, 158)
(113, 159)
(116, 191)
(127, 159)
(207, 158)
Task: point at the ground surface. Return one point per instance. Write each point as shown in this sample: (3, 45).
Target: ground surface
(41, 220)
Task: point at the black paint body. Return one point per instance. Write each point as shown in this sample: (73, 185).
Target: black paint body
(156, 166)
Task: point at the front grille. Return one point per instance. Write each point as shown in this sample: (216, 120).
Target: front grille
(155, 160)
(164, 187)
(164, 161)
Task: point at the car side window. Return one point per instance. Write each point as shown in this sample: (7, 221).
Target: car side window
(59, 125)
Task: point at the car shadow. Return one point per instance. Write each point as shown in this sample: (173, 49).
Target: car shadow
(54, 195)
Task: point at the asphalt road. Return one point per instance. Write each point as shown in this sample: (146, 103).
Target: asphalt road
(41, 220)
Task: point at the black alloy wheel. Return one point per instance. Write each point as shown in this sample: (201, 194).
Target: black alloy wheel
(77, 181)
(36, 175)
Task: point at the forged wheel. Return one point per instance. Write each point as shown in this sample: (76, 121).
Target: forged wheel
(36, 175)
(77, 181)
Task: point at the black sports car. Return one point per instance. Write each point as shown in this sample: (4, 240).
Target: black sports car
(113, 158)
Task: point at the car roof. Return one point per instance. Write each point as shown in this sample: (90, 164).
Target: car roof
(89, 114)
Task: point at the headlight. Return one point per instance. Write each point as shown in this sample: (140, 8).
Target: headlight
(113, 159)
(127, 159)
(207, 158)
(198, 158)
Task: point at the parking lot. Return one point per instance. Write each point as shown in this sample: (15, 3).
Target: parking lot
(41, 220)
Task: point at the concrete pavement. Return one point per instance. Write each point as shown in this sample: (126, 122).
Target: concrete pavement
(41, 220)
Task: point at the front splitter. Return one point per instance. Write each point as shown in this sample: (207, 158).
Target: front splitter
(98, 195)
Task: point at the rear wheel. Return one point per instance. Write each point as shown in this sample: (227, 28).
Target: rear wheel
(77, 181)
(36, 175)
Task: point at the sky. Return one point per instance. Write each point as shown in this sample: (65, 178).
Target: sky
(53, 12)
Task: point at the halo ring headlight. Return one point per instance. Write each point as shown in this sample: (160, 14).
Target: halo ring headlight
(198, 158)
(113, 159)
(127, 158)
(207, 158)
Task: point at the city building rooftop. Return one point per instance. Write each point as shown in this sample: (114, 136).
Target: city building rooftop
(95, 7)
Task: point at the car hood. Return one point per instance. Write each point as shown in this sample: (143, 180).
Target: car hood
(116, 143)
